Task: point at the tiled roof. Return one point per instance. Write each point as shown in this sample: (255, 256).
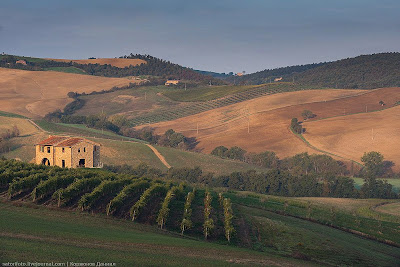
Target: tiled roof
(70, 142)
(52, 140)
(64, 141)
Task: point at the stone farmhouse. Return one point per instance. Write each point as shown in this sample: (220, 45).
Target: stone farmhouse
(68, 152)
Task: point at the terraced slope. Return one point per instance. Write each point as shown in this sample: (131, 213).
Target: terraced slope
(173, 113)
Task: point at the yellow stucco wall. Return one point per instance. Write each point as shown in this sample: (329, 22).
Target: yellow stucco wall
(71, 155)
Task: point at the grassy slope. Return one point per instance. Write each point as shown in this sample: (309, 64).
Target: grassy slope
(117, 151)
(213, 92)
(208, 163)
(50, 235)
(67, 70)
(206, 93)
(287, 234)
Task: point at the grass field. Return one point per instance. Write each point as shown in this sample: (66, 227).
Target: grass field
(67, 70)
(24, 126)
(44, 235)
(206, 93)
(207, 163)
(116, 149)
(213, 92)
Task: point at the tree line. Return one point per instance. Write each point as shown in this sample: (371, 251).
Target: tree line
(155, 67)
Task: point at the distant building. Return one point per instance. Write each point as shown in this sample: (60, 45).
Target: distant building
(278, 79)
(23, 62)
(239, 74)
(169, 82)
(68, 152)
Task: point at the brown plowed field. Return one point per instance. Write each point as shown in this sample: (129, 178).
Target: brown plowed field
(116, 62)
(270, 117)
(351, 136)
(36, 93)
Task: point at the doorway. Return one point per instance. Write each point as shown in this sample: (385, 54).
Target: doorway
(46, 162)
(82, 163)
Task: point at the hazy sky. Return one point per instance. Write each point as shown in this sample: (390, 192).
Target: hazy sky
(223, 36)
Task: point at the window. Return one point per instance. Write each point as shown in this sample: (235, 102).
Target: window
(63, 150)
(63, 163)
(84, 149)
(41, 148)
(48, 149)
(79, 150)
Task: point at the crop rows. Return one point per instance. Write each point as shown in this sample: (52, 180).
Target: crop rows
(116, 195)
(195, 108)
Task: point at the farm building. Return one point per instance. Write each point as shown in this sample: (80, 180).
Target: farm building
(169, 82)
(23, 62)
(68, 152)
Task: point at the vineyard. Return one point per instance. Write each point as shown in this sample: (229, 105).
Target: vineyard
(173, 113)
(152, 201)
(307, 229)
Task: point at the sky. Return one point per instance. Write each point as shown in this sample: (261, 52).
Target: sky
(219, 35)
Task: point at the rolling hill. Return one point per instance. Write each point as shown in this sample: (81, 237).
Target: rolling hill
(36, 93)
(263, 124)
(365, 71)
(115, 62)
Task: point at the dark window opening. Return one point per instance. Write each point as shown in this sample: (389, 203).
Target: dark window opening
(79, 150)
(84, 149)
(48, 149)
(82, 163)
(46, 162)
(63, 163)
(63, 149)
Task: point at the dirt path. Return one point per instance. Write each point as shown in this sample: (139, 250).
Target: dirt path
(37, 126)
(158, 154)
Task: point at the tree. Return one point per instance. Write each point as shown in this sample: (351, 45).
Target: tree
(295, 126)
(307, 114)
(373, 162)
(236, 153)
(220, 151)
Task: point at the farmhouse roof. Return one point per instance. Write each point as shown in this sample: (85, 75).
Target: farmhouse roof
(66, 141)
(52, 140)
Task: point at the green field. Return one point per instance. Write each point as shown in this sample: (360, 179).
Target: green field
(12, 115)
(206, 93)
(208, 163)
(67, 70)
(45, 235)
(119, 150)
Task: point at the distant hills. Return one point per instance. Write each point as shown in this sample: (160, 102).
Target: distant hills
(154, 67)
(364, 72)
